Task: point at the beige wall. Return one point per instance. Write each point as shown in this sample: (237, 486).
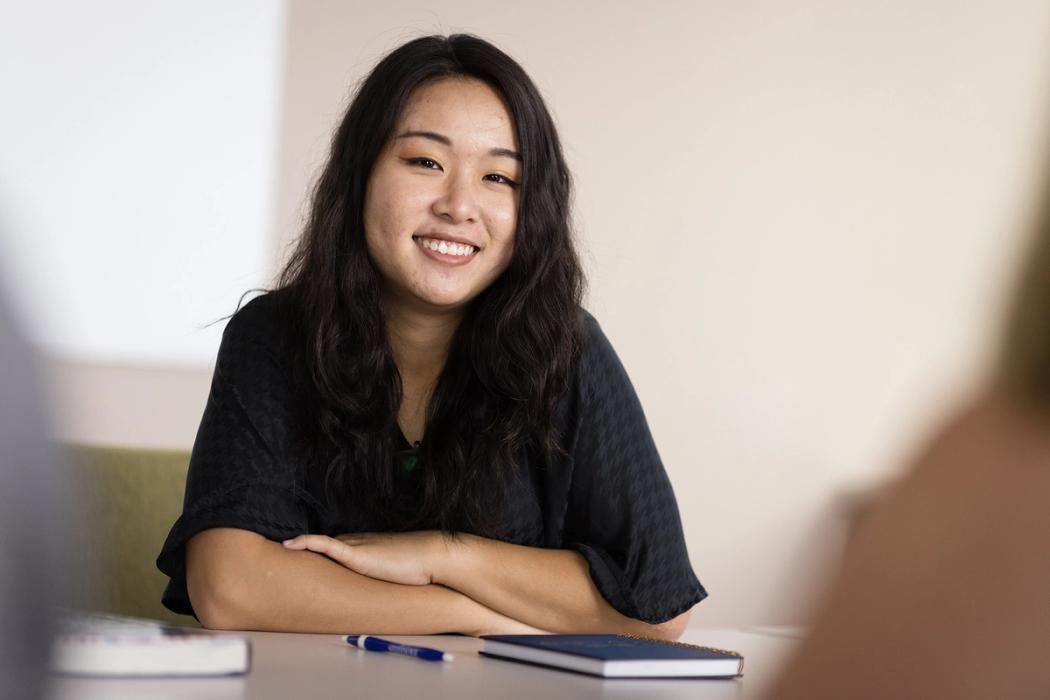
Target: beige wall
(798, 219)
(131, 406)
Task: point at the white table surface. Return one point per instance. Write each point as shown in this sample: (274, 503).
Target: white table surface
(316, 666)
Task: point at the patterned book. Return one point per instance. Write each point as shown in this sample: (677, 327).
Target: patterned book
(615, 656)
(107, 645)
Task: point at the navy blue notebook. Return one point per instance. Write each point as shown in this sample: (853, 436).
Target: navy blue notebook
(615, 656)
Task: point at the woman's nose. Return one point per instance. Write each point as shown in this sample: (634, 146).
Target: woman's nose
(459, 202)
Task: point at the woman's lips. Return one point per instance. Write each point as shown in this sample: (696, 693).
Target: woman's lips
(445, 251)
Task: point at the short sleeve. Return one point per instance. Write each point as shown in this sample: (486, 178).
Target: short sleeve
(622, 515)
(242, 473)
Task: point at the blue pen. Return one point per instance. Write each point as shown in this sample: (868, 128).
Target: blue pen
(365, 641)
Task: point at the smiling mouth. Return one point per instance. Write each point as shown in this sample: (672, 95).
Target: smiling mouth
(456, 250)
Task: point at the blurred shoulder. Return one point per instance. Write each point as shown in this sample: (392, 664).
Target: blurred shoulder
(994, 438)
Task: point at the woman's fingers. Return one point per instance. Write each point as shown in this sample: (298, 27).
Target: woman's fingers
(322, 544)
(401, 558)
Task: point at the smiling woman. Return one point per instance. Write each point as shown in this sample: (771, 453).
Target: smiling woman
(450, 179)
(420, 430)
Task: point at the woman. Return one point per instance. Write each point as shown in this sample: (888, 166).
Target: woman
(420, 430)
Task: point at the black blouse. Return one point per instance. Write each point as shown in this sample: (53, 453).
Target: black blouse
(607, 498)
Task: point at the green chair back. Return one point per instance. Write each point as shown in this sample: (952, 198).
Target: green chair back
(127, 501)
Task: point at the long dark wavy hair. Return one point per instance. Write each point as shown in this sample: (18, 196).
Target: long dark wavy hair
(512, 355)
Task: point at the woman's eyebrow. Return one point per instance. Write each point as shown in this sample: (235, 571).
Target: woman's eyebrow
(442, 139)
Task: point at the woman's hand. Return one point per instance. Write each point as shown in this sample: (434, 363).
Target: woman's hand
(494, 623)
(398, 557)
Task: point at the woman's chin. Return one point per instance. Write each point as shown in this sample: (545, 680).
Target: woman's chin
(443, 301)
(435, 298)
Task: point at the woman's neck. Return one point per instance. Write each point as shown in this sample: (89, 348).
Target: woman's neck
(420, 340)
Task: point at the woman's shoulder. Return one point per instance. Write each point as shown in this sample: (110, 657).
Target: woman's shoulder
(256, 330)
(256, 319)
(599, 370)
(595, 348)
(590, 330)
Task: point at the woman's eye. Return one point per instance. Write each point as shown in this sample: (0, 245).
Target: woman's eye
(427, 163)
(500, 179)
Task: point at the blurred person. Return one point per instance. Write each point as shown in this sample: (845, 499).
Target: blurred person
(945, 589)
(33, 517)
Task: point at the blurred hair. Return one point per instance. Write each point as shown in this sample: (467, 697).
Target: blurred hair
(511, 356)
(1025, 364)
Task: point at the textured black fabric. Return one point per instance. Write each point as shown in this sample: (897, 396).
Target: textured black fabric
(608, 498)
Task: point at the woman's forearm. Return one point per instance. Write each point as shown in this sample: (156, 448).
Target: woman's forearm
(546, 588)
(240, 580)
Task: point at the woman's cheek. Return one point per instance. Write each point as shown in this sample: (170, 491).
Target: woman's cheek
(504, 221)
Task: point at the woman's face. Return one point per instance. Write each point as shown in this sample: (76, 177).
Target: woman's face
(442, 199)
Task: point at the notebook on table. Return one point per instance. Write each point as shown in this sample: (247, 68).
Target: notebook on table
(615, 656)
(106, 645)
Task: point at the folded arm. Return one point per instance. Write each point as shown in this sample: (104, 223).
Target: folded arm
(240, 580)
(550, 589)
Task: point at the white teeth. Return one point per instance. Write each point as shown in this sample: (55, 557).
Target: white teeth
(447, 248)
